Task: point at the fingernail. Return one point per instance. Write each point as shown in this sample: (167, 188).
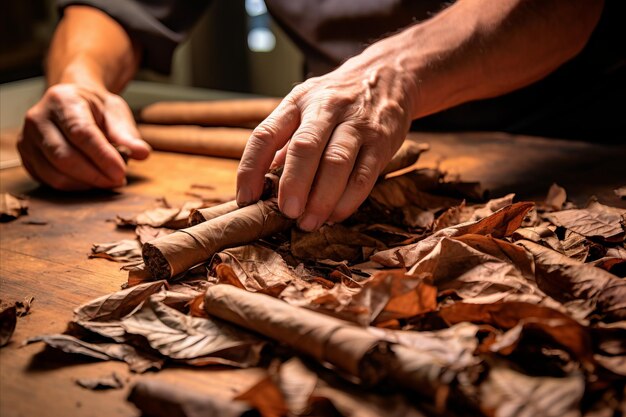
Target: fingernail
(309, 223)
(244, 196)
(292, 208)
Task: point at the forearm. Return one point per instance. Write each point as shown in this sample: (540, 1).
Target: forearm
(91, 49)
(478, 49)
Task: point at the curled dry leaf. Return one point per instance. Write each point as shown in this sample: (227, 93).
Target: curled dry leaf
(334, 242)
(508, 393)
(12, 207)
(566, 280)
(556, 198)
(500, 224)
(255, 268)
(127, 250)
(138, 361)
(194, 340)
(594, 221)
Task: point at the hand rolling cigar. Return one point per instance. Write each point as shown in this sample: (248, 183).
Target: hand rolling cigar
(227, 226)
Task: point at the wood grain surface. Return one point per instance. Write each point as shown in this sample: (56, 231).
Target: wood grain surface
(50, 261)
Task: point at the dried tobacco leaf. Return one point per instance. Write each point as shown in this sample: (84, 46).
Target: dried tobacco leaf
(117, 305)
(334, 242)
(193, 340)
(481, 268)
(23, 307)
(162, 399)
(12, 207)
(594, 221)
(138, 361)
(522, 318)
(256, 268)
(556, 198)
(127, 250)
(8, 320)
(508, 393)
(146, 233)
(111, 381)
(500, 224)
(155, 217)
(566, 279)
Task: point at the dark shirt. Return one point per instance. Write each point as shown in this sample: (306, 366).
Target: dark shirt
(583, 99)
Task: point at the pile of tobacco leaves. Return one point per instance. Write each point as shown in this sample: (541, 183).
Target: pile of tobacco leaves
(522, 304)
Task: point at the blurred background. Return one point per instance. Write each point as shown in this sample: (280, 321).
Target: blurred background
(235, 47)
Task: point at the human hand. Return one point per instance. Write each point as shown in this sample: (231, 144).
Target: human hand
(334, 134)
(69, 136)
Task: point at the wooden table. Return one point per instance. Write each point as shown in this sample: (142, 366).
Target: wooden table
(50, 261)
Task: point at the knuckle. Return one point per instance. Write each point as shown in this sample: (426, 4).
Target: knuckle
(58, 93)
(265, 133)
(338, 156)
(363, 176)
(307, 139)
(79, 130)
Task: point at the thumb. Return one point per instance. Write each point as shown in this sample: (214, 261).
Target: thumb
(122, 130)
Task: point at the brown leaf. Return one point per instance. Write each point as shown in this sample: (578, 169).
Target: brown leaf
(594, 221)
(162, 399)
(566, 279)
(553, 325)
(255, 267)
(508, 393)
(194, 340)
(556, 197)
(155, 217)
(112, 381)
(476, 266)
(137, 274)
(127, 250)
(23, 307)
(146, 233)
(8, 320)
(12, 207)
(500, 224)
(137, 361)
(335, 242)
(117, 305)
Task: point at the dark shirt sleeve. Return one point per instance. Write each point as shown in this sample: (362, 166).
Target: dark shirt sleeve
(158, 25)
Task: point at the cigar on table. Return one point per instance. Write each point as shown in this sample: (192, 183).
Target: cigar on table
(232, 113)
(223, 142)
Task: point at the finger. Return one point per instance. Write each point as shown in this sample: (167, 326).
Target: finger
(121, 128)
(77, 123)
(67, 160)
(361, 182)
(302, 159)
(332, 177)
(266, 139)
(39, 168)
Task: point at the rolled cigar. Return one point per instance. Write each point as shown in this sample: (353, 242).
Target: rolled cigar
(161, 399)
(234, 113)
(223, 142)
(270, 189)
(197, 216)
(327, 339)
(174, 254)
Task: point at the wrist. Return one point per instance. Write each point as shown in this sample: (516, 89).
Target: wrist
(81, 71)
